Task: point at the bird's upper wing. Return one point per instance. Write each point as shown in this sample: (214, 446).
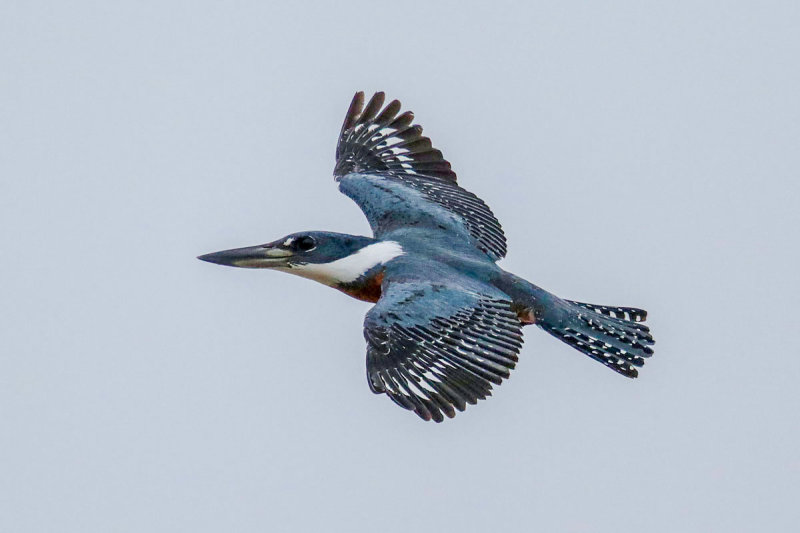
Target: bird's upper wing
(386, 165)
(435, 345)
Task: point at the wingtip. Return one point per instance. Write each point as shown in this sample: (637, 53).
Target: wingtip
(356, 105)
(375, 137)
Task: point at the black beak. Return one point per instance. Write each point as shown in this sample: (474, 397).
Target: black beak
(265, 256)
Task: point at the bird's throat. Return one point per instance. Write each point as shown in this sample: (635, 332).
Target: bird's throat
(359, 275)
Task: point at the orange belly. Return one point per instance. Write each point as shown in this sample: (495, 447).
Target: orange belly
(368, 291)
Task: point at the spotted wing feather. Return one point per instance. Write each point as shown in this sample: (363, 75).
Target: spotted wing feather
(384, 145)
(434, 348)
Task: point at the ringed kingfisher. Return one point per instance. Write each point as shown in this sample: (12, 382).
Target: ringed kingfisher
(447, 320)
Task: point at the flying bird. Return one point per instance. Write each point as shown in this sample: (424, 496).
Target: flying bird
(447, 320)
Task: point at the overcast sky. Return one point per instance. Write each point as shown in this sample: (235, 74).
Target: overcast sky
(637, 153)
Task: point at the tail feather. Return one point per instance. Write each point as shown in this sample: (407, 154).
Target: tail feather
(631, 314)
(613, 336)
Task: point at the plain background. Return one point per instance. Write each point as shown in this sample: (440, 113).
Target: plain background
(637, 153)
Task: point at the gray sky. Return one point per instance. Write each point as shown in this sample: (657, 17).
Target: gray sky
(637, 153)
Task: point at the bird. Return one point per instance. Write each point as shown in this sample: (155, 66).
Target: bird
(447, 320)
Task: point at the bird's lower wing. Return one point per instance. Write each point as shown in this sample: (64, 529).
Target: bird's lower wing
(435, 347)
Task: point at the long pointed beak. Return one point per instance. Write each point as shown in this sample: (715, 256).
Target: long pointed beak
(265, 256)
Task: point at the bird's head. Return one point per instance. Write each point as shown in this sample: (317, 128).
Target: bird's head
(330, 258)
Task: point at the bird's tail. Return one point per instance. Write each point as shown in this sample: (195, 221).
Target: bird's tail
(614, 336)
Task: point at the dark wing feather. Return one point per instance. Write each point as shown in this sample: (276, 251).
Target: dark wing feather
(372, 142)
(379, 146)
(434, 348)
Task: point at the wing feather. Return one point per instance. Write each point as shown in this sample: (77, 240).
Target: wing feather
(380, 149)
(434, 348)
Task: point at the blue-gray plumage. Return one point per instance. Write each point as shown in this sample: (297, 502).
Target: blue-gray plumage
(447, 321)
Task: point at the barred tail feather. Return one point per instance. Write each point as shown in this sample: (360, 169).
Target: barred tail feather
(613, 336)
(630, 314)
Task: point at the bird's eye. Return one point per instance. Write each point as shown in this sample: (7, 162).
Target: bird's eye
(305, 243)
